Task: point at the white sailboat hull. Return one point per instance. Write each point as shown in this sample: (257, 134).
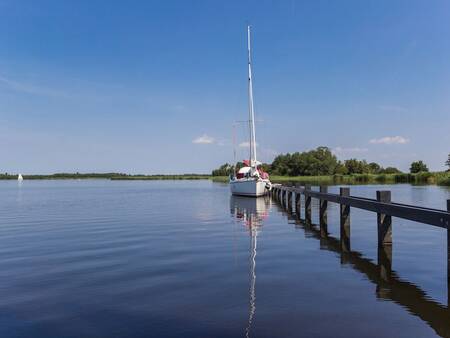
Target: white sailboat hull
(249, 187)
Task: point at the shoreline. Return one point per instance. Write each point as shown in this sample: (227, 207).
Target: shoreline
(432, 178)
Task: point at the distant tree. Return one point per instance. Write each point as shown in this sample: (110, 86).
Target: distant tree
(390, 170)
(224, 170)
(417, 167)
(280, 165)
(355, 166)
(340, 169)
(447, 163)
(319, 161)
(374, 168)
(227, 169)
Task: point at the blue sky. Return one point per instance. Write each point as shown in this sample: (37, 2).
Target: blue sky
(155, 86)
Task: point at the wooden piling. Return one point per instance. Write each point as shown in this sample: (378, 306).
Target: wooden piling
(448, 258)
(298, 206)
(345, 221)
(323, 217)
(307, 205)
(384, 223)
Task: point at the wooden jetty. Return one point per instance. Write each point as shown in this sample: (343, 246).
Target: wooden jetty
(382, 205)
(388, 284)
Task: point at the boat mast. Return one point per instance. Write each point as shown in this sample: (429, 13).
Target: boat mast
(250, 106)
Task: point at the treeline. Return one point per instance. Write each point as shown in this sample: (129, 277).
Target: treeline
(322, 161)
(321, 164)
(317, 162)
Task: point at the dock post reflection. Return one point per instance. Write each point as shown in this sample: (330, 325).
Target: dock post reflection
(384, 225)
(307, 205)
(345, 222)
(289, 202)
(323, 217)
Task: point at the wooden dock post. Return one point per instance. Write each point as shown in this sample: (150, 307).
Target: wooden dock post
(284, 198)
(307, 205)
(298, 206)
(323, 217)
(384, 223)
(448, 258)
(345, 221)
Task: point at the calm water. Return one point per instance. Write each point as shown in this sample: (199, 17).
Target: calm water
(100, 258)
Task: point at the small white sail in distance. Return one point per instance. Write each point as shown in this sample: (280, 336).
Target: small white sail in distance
(20, 177)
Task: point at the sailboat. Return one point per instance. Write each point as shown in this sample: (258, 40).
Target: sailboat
(20, 178)
(250, 180)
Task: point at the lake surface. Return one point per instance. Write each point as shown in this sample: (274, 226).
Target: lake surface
(98, 258)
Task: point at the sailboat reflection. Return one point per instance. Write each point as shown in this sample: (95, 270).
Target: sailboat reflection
(251, 212)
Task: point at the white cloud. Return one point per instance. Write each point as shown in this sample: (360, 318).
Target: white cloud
(353, 150)
(245, 145)
(389, 140)
(204, 139)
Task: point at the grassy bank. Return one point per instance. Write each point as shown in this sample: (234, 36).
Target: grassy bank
(439, 178)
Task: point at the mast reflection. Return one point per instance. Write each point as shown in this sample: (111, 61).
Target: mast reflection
(251, 212)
